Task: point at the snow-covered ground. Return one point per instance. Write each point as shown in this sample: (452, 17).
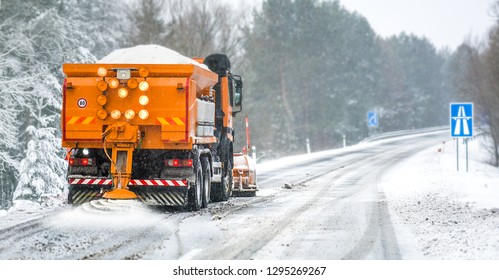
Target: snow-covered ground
(435, 212)
(440, 213)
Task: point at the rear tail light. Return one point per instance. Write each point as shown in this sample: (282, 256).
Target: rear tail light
(81, 161)
(178, 163)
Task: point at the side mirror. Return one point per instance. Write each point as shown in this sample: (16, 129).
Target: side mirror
(238, 94)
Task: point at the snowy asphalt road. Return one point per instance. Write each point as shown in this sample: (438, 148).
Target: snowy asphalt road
(333, 210)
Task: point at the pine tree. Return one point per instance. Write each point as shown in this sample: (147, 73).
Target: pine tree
(36, 39)
(147, 24)
(43, 168)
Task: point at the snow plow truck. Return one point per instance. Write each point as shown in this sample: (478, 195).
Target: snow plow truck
(159, 132)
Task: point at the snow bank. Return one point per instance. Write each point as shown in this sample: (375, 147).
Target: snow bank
(272, 164)
(431, 171)
(25, 206)
(446, 214)
(148, 54)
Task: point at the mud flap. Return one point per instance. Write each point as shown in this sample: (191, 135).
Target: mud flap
(79, 194)
(164, 196)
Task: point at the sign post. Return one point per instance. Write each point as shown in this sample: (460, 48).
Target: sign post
(461, 125)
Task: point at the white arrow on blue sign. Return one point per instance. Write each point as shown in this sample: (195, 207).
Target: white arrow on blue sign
(372, 119)
(461, 120)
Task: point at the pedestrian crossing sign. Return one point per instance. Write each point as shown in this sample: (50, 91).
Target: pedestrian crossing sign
(461, 120)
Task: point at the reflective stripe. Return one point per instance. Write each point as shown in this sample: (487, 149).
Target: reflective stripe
(80, 120)
(178, 121)
(170, 121)
(88, 120)
(73, 120)
(162, 121)
(159, 183)
(98, 181)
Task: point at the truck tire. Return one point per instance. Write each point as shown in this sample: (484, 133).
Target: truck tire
(222, 191)
(205, 163)
(196, 190)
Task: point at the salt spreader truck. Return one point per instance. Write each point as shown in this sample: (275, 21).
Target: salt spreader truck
(160, 133)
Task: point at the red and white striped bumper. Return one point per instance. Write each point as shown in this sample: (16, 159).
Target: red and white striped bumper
(133, 182)
(97, 181)
(159, 183)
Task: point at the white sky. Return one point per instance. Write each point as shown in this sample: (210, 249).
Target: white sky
(443, 22)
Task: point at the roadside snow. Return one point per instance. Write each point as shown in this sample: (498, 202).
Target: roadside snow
(439, 213)
(270, 165)
(148, 54)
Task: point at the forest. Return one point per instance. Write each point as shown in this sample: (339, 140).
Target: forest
(311, 69)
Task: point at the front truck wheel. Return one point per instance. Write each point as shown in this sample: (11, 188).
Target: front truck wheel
(196, 189)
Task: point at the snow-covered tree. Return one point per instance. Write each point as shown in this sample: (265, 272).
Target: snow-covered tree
(36, 38)
(43, 167)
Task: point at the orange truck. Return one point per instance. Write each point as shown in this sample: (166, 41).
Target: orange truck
(160, 133)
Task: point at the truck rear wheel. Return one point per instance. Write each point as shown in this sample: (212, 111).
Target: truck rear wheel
(206, 182)
(223, 190)
(196, 189)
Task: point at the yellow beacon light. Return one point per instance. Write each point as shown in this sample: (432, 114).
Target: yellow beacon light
(113, 83)
(101, 72)
(129, 114)
(132, 83)
(115, 114)
(101, 100)
(101, 85)
(143, 100)
(101, 114)
(143, 114)
(122, 92)
(144, 86)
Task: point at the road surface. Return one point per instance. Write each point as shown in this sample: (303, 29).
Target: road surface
(325, 207)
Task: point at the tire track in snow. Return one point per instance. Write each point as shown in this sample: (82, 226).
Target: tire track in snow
(245, 249)
(379, 231)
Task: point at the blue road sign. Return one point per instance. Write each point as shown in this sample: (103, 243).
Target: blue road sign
(372, 119)
(461, 120)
